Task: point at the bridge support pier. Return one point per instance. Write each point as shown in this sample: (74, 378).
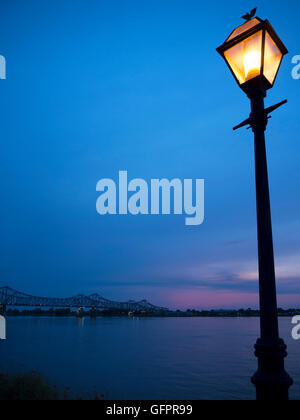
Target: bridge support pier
(93, 312)
(2, 309)
(79, 313)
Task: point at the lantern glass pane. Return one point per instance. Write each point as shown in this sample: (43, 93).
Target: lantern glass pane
(245, 58)
(273, 58)
(243, 28)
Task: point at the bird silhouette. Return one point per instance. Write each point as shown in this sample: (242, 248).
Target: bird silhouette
(250, 15)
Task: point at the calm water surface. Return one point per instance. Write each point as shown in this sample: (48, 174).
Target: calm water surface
(147, 358)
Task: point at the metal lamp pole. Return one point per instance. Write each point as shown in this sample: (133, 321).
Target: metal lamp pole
(253, 53)
(271, 380)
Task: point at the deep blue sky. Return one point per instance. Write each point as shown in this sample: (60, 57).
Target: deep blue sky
(97, 87)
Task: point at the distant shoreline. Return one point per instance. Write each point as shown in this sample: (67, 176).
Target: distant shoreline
(241, 313)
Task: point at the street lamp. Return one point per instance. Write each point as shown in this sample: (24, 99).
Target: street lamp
(254, 52)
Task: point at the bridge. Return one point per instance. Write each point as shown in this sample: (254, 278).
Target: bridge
(11, 297)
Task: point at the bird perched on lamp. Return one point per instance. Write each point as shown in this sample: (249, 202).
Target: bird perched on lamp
(250, 15)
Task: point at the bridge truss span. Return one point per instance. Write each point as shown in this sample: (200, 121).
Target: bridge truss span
(11, 297)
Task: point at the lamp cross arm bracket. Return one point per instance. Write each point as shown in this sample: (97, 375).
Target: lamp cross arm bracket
(274, 107)
(252, 120)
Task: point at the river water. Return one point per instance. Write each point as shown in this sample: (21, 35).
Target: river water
(143, 358)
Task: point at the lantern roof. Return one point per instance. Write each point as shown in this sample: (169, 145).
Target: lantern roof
(249, 28)
(244, 28)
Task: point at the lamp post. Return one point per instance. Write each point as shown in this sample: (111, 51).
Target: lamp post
(254, 53)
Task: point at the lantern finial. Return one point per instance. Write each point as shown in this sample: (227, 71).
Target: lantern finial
(250, 15)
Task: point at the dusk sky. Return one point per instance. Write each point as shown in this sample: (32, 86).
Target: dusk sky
(97, 87)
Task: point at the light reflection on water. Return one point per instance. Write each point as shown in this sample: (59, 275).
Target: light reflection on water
(146, 358)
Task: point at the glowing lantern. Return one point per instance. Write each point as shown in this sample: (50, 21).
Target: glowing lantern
(253, 53)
